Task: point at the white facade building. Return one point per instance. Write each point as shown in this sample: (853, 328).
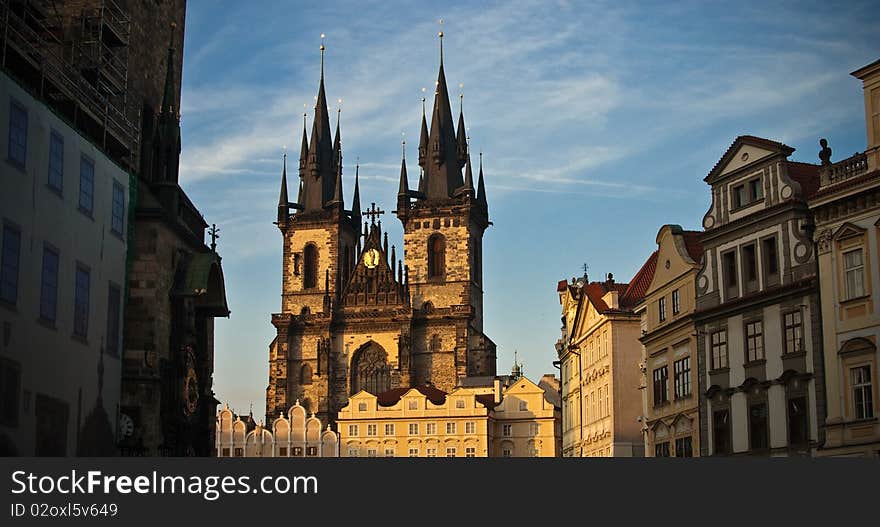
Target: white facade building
(64, 212)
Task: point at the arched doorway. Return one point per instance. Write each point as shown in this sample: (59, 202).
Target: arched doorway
(370, 370)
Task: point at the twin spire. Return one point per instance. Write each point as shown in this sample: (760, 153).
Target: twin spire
(443, 153)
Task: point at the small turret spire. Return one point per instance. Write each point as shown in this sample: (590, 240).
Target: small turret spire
(403, 188)
(356, 198)
(461, 135)
(423, 139)
(468, 187)
(481, 187)
(283, 202)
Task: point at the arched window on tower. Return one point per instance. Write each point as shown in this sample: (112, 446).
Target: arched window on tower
(306, 374)
(370, 370)
(436, 256)
(310, 267)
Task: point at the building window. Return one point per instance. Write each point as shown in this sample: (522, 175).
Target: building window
(756, 190)
(740, 198)
(117, 220)
(750, 267)
(372, 452)
(470, 452)
(352, 430)
(533, 429)
(450, 451)
(523, 406)
(310, 268)
(794, 341)
(389, 429)
(506, 430)
(684, 447)
(282, 451)
(113, 320)
(798, 425)
(661, 449)
(730, 281)
(352, 452)
(362, 407)
(470, 427)
(49, 285)
(10, 387)
(676, 303)
(721, 432)
(661, 308)
(413, 405)
(450, 428)
(431, 429)
(372, 430)
(9, 263)
(507, 452)
(436, 256)
(758, 429)
(430, 452)
(414, 429)
(297, 451)
(719, 349)
(770, 260)
(18, 125)
(238, 452)
(305, 374)
(56, 162)
(661, 385)
(311, 451)
(413, 452)
(863, 392)
(854, 271)
(754, 341)
(86, 186)
(225, 452)
(682, 380)
(389, 452)
(459, 403)
(81, 302)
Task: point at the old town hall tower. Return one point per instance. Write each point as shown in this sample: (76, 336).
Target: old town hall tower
(353, 317)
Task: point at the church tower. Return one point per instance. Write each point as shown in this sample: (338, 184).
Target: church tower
(355, 317)
(443, 222)
(319, 246)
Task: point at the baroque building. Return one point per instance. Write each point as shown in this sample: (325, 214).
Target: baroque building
(516, 420)
(598, 351)
(294, 434)
(846, 212)
(757, 311)
(355, 317)
(671, 391)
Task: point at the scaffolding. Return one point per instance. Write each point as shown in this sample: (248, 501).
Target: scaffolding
(78, 65)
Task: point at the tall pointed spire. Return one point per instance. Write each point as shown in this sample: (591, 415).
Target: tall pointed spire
(304, 149)
(168, 130)
(337, 156)
(283, 202)
(442, 172)
(320, 173)
(468, 187)
(481, 188)
(356, 199)
(403, 189)
(461, 135)
(423, 139)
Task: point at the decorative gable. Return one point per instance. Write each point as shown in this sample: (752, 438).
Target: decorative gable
(744, 151)
(848, 230)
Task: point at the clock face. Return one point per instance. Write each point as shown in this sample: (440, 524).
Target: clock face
(371, 258)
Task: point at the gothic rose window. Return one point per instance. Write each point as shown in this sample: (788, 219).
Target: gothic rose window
(310, 267)
(370, 370)
(436, 256)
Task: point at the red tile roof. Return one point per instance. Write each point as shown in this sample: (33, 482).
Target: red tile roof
(640, 283)
(391, 397)
(693, 245)
(560, 287)
(807, 175)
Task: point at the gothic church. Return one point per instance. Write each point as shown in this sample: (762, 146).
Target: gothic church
(354, 317)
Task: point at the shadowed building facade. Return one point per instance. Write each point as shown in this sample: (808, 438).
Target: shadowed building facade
(355, 317)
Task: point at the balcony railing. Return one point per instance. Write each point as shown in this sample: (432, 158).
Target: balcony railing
(843, 170)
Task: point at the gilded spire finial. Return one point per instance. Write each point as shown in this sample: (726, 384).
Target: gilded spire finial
(322, 55)
(440, 34)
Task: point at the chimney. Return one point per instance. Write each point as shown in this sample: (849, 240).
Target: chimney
(497, 386)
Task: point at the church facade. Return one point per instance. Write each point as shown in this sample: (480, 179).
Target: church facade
(355, 317)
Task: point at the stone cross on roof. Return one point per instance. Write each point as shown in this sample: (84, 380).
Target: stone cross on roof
(373, 213)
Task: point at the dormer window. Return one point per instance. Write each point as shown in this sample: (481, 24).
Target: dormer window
(747, 193)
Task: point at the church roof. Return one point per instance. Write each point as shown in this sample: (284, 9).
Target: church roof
(392, 397)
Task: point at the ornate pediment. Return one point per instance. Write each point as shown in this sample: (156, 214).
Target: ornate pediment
(848, 230)
(373, 280)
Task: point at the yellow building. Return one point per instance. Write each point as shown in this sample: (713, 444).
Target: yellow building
(669, 365)
(598, 352)
(519, 420)
(846, 211)
(294, 435)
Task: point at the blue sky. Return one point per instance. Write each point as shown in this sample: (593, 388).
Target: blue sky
(598, 122)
